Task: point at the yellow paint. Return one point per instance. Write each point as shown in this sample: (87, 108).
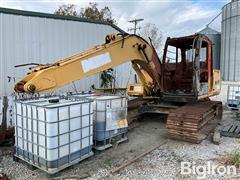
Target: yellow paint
(120, 50)
(136, 89)
(216, 85)
(122, 123)
(216, 82)
(116, 51)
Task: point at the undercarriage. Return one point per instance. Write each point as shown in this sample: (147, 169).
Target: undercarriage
(191, 122)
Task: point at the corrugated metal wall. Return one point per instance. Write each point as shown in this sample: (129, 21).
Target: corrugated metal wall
(27, 39)
(230, 42)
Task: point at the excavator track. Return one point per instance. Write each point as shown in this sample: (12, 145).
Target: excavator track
(193, 122)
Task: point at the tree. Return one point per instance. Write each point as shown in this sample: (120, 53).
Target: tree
(66, 10)
(94, 13)
(107, 78)
(150, 30)
(90, 12)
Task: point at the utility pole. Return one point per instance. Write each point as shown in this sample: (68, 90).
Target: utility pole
(135, 22)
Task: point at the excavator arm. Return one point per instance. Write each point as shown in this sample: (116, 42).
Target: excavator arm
(116, 50)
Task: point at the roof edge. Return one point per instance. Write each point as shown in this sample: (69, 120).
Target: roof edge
(54, 16)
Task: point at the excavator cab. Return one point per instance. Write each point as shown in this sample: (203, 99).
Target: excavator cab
(187, 73)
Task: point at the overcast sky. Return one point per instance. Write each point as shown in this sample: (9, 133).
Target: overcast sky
(172, 17)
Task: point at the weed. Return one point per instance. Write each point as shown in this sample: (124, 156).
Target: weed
(233, 158)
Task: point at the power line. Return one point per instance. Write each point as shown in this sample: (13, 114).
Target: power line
(135, 22)
(214, 19)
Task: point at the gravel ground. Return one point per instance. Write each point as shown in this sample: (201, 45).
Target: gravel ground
(162, 163)
(165, 162)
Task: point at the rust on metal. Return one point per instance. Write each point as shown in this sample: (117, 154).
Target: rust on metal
(137, 102)
(177, 71)
(19, 87)
(6, 135)
(193, 122)
(3, 176)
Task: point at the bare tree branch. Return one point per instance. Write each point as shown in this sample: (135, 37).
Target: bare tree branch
(90, 12)
(150, 30)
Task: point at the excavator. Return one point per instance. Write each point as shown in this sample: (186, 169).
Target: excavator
(179, 86)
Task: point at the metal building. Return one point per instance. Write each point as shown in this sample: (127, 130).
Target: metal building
(230, 41)
(215, 37)
(32, 37)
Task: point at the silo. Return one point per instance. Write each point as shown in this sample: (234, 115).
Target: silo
(215, 37)
(230, 41)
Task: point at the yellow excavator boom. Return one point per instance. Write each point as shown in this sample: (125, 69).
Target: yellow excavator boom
(116, 50)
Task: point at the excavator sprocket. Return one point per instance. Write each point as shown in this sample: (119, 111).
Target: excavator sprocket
(193, 122)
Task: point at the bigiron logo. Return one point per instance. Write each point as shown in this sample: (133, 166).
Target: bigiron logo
(201, 171)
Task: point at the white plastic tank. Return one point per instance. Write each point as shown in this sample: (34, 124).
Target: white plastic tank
(233, 101)
(110, 119)
(51, 134)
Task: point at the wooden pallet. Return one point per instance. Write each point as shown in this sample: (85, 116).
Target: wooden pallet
(232, 130)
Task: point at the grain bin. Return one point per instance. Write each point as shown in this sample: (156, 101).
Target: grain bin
(215, 37)
(53, 134)
(230, 42)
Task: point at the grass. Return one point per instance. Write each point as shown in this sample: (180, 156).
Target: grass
(108, 162)
(233, 158)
